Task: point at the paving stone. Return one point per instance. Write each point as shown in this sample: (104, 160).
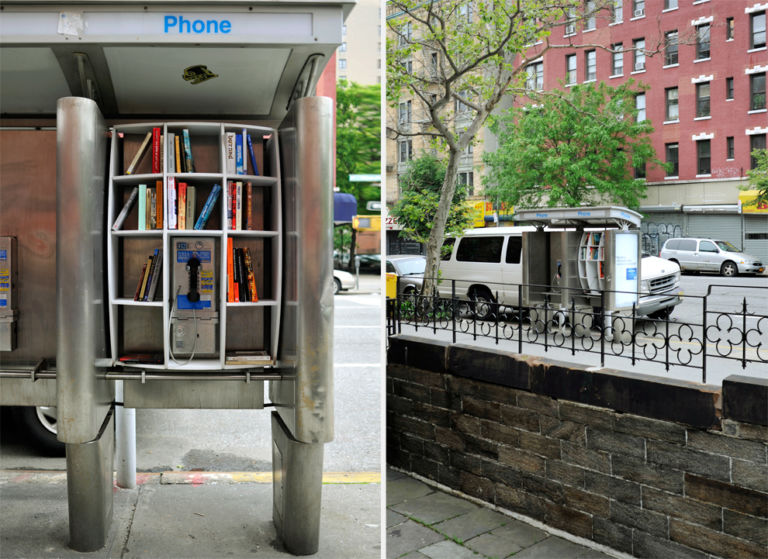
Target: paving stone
(448, 549)
(392, 475)
(466, 526)
(493, 545)
(395, 518)
(414, 555)
(521, 533)
(404, 489)
(434, 507)
(558, 547)
(409, 536)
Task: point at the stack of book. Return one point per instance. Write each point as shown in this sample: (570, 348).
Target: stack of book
(180, 158)
(154, 138)
(240, 206)
(150, 213)
(150, 276)
(241, 286)
(235, 145)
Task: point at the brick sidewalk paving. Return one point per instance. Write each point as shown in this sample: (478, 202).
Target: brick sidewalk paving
(423, 522)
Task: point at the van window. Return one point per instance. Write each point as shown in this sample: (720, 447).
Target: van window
(672, 244)
(726, 246)
(391, 268)
(480, 249)
(687, 244)
(707, 246)
(514, 248)
(447, 249)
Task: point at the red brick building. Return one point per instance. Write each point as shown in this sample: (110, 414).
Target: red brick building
(706, 63)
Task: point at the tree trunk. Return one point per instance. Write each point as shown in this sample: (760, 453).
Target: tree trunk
(435, 242)
(352, 249)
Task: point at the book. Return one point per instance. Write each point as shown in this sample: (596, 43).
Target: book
(205, 213)
(191, 205)
(182, 203)
(237, 279)
(142, 223)
(230, 272)
(239, 155)
(229, 153)
(171, 203)
(248, 206)
(252, 293)
(157, 166)
(252, 154)
(177, 152)
(159, 198)
(171, 152)
(141, 282)
(151, 209)
(157, 273)
(238, 205)
(189, 162)
(150, 274)
(139, 154)
(251, 357)
(126, 209)
(147, 267)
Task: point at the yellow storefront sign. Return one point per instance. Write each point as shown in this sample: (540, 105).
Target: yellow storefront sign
(748, 205)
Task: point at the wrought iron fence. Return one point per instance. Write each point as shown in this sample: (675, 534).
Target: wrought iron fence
(738, 334)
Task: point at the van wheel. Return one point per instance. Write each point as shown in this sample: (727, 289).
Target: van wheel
(39, 424)
(729, 269)
(482, 303)
(662, 314)
(336, 286)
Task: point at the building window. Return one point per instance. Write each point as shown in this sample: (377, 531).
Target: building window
(756, 141)
(729, 28)
(342, 63)
(433, 59)
(535, 79)
(405, 151)
(617, 11)
(408, 66)
(463, 108)
(702, 99)
(570, 69)
(729, 150)
(591, 59)
(639, 171)
(589, 14)
(672, 159)
(702, 41)
(757, 92)
(405, 35)
(670, 47)
(467, 179)
(617, 68)
(343, 47)
(670, 4)
(638, 8)
(757, 30)
(672, 111)
(404, 116)
(570, 24)
(640, 106)
(639, 46)
(728, 88)
(465, 11)
(704, 157)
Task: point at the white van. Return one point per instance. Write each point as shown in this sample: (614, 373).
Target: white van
(487, 266)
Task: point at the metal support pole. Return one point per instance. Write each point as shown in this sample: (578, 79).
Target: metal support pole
(125, 441)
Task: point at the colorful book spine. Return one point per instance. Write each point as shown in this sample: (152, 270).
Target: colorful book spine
(171, 203)
(239, 155)
(249, 206)
(253, 296)
(150, 275)
(139, 154)
(157, 273)
(171, 152)
(229, 153)
(177, 151)
(236, 278)
(159, 198)
(156, 164)
(230, 205)
(190, 163)
(141, 282)
(147, 268)
(142, 223)
(182, 206)
(191, 205)
(251, 153)
(239, 205)
(205, 213)
(126, 209)
(230, 272)
(152, 207)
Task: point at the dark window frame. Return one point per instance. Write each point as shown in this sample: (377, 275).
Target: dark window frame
(480, 249)
(671, 48)
(757, 38)
(703, 41)
(669, 149)
(757, 91)
(704, 157)
(703, 98)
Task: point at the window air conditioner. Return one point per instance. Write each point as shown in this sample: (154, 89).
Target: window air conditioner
(640, 12)
(639, 66)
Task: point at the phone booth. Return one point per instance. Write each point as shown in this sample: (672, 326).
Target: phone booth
(190, 258)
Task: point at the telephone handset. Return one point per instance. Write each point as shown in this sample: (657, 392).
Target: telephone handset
(193, 267)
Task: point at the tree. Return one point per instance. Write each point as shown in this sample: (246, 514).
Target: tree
(573, 147)
(358, 143)
(458, 59)
(758, 177)
(421, 186)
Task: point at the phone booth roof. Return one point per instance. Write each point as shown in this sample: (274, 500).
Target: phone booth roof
(596, 216)
(220, 60)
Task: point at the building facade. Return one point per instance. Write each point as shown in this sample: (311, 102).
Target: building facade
(361, 45)
(705, 65)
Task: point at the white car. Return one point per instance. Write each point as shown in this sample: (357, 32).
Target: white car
(342, 281)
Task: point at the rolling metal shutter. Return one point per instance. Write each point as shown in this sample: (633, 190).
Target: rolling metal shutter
(718, 227)
(756, 226)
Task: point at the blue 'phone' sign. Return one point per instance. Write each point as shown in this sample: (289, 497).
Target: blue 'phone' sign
(179, 24)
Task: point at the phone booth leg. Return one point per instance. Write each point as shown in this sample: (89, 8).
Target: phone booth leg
(297, 470)
(89, 488)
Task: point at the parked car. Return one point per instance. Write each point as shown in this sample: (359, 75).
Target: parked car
(342, 281)
(410, 271)
(370, 263)
(708, 255)
(37, 426)
(485, 261)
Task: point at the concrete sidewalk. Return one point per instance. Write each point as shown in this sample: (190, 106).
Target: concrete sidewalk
(186, 514)
(423, 522)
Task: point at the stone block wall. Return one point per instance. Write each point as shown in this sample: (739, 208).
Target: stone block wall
(646, 466)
